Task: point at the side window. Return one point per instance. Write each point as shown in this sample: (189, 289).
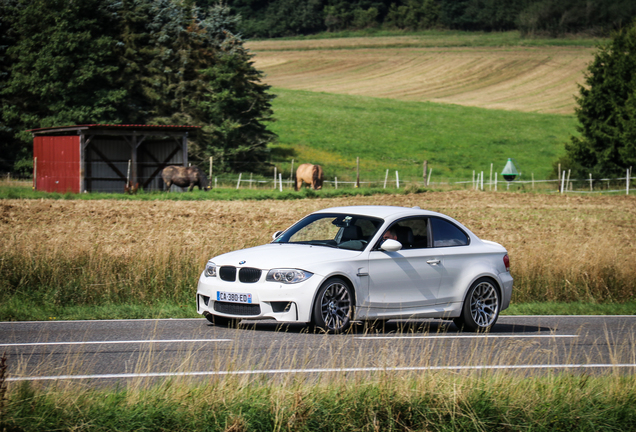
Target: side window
(446, 234)
(414, 232)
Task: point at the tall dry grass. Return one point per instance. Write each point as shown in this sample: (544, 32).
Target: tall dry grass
(562, 248)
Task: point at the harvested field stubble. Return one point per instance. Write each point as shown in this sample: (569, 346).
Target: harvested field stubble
(102, 252)
(531, 79)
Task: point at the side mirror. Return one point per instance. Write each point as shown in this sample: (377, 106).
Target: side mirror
(391, 245)
(276, 235)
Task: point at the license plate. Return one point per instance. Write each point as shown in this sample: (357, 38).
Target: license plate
(233, 297)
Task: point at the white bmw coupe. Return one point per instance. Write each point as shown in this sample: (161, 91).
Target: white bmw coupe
(359, 263)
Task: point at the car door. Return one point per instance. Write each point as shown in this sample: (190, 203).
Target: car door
(453, 244)
(409, 278)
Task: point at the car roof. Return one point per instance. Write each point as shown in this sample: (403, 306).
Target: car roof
(380, 211)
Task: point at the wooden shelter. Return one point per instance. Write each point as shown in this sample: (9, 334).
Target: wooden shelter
(103, 158)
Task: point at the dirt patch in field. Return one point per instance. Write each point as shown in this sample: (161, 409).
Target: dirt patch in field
(514, 78)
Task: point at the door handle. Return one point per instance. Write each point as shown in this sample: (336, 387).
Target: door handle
(433, 262)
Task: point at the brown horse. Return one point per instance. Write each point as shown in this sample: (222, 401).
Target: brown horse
(185, 177)
(310, 174)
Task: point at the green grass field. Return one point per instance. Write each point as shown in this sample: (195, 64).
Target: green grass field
(332, 130)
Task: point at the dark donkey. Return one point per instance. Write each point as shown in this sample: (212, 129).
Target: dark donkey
(185, 177)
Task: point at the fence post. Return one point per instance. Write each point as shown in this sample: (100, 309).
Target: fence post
(357, 172)
(35, 173)
(627, 184)
(559, 179)
(562, 181)
(275, 171)
(386, 177)
(425, 170)
(482, 180)
(238, 183)
(280, 182)
(490, 180)
(496, 175)
(397, 180)
(291, 175)
(211, 164)
(474, 180)
(567, 183)
(428, 179)
(590, 182)
(214, 182)
(336, 182)
(532, 181)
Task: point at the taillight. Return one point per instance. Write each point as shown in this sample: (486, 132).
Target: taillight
(507, 262)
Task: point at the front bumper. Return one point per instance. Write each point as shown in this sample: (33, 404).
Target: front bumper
(268, 300)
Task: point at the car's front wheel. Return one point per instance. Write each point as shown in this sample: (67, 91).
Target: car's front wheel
(481, 307)
(333, 309)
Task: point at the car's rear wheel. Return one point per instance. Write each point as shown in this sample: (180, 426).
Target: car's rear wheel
(481, 307)
(333, 308)
(220, 321)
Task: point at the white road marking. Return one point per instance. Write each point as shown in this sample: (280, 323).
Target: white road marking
(489, 336)
(306, 371)
(114, 342)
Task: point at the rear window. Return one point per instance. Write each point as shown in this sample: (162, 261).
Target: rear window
(447, 234)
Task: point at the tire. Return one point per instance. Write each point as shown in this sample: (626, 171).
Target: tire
(220, 321)
(334, 306)
(481, 307)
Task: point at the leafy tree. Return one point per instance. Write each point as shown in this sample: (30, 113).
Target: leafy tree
(607, 110)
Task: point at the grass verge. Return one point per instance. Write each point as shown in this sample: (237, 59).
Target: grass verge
(387, 402)
(28, 309)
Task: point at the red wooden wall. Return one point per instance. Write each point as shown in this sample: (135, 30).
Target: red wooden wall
(58, 163)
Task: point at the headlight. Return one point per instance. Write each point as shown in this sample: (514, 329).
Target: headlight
(288, 276)
(210, 269)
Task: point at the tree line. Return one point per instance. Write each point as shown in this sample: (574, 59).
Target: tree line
(130, 62)
(276, 18)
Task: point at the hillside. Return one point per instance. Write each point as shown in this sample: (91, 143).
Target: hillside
(494, 71)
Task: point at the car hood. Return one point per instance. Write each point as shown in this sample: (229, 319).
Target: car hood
(284, 255)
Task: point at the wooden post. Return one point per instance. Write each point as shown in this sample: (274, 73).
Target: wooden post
(211, 163)
(627, 184)
(128, 174)
(425, 171)
(386, 177)
(291, 175)
(590, 182)
(275, 171)
(496, 175)
(482, 180)
(559, 178)
(532, 181)
(397, 180)
(336, 182)
(238, 183)
(280, 182)
(428, 179)
(251, 183)
(567, 183)
(214, 182)
(490, 181)
(357, 172)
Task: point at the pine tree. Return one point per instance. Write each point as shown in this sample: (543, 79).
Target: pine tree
(607, 110)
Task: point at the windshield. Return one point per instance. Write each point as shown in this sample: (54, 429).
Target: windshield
(333, 230)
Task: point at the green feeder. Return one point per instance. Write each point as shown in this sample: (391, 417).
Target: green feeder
(509, 172)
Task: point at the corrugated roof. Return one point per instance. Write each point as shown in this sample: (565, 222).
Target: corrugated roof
(113, 126)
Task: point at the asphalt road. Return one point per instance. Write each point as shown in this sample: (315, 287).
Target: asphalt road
(107, 351)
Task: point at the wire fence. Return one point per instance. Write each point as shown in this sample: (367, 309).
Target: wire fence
(64, 172)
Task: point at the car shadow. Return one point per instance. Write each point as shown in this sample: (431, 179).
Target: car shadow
(394, 327)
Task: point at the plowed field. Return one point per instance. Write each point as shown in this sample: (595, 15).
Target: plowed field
(532, 79)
